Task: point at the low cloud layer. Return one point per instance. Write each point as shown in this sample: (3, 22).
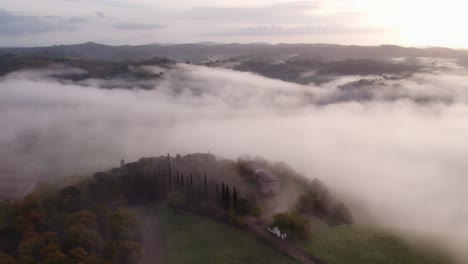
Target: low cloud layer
(400, 162)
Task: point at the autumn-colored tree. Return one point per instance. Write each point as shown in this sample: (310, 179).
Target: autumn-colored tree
(110, 252)
(129, 251)
(26, 260)
(49, 237)
(27, 204)
(37, 218)
(58, 258)
(6, 259)
(31, 243)
(295, 226)
(94, 258)
(176, 200)
(49, 250)
(78, 254)
(83, 217)
(81, 236)
(122, 224)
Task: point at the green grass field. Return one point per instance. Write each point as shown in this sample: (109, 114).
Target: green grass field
(195, 239)
(359, 245)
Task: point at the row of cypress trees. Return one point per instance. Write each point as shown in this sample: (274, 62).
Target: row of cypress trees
(228, 201)
(181, 183)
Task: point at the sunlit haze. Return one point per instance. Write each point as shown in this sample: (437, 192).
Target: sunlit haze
(361, 22)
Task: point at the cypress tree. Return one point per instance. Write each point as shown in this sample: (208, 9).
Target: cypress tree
(228, 198)
(167, 182)
(205, 183)
(191, 183)
(223, 195)
(157, 185)
(182, 182)
(169, 166)
(234, 199)
(178, 182)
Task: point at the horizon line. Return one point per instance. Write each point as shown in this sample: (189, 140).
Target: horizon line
(211, 43)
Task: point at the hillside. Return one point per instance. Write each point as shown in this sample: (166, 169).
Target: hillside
(201, 219)
(125, 74)
(190, 238)
(198, 52)
(363, 244)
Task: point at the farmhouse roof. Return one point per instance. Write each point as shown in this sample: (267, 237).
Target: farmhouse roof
(265, 176)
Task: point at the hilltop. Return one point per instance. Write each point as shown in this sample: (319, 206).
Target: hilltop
(95, 220)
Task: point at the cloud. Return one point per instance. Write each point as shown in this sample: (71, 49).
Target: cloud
(137, 26)
(12, 24)
(398, 163)
(100, 15)
(279, 30)
(278, 13)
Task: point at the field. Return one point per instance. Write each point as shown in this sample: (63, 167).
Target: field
(358, 245)
(195, 239)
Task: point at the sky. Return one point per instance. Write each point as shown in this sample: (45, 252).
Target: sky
(117, 22)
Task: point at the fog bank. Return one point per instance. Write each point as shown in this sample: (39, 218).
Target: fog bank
(399, 154)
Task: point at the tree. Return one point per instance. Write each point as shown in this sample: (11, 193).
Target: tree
(176, 200)
(223, 195)
(205, 185)
(110, 252)
(83, 217)
(294, 225)
(6, 259)
(191, 183)
(58, 258)
(169, 178)
(122, 224)
(217, 192)
(49, 250)
(81, 236)
(78, 254)
(177, 182)
(227, 205)
(70, 198)
(234, 199)
(31, 244)
(129, 251)
(182, 183)
(341, 215)
(49, 237)
(243, 207)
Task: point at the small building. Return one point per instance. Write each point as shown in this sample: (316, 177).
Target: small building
(267, 182)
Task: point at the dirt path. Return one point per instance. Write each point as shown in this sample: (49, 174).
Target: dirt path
(152, 244)
(284, 246)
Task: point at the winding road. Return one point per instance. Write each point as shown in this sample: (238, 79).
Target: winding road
(152, 245)
(284, 246)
